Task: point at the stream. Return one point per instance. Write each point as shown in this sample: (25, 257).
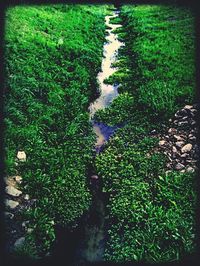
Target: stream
(93, 246)
(107, 92)
(86, 244)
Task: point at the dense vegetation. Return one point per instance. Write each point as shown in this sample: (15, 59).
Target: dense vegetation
(157, 65)
(151, 213)
(52, 55)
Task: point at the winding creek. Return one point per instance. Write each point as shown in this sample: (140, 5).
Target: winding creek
(93, 247)
(87, 242)
(107, 92)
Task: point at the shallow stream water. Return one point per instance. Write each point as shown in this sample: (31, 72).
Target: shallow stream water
(87, 242)
(93, 246)
(107, 92)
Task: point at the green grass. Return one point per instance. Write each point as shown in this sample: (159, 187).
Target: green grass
(151, 214)
(157, 64)
(52, 55)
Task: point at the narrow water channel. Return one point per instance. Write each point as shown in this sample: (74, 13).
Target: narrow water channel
(93, 246)
(107, 92)
(87, 242)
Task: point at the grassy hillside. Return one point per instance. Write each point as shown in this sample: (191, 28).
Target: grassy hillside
(53, 54)
(151, 213)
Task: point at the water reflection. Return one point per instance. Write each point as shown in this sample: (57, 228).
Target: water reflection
(107, 92)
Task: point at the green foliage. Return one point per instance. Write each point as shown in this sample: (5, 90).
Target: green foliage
(150, 213)
(159, 57)
(153, 222)
(52, 54)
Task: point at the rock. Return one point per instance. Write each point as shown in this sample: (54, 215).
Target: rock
(172, 131)
(182, 123)
(153, 131)
(18, 179)
(188, 107)
(181, 112)
(184, 155)
(12, 191)
(162, 142)
(179, 166)
(193, 122)
(186, 148)
(11, 203)
(26, 197)
(182, 171)
(178, 138)
(9, 215)
(190, 169)
(25, 223)
(179, 144)
(94, 177)
(174, 149)
(19, 242)
(192, 138)
(29, 230)
(21, 156)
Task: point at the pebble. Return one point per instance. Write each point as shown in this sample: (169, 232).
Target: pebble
(9, 215)
(172, 131)
(12, 191)
(179, 144)
(182, 123)
(190, 169)
(186, 148)
(188, 107)
(18, 179)
(11, 203)
(26, 197)
(19, 242)
(94, 177)
(21, 156)
(162, 142)
(174, 149)
(179, 166)
(178, 138)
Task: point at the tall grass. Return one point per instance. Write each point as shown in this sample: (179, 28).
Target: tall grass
(52, 56)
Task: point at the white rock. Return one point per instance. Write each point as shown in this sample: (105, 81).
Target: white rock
(188, 107)
(11, 203)
(19, 242)
(174, 150)
(12, 191)
(21, 155)
(186, 148)
(161, 142)
(190, 169)
(178, 138)
(26, 197)
(18, 179)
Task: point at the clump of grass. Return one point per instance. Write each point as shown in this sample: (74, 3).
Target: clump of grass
(52, 54)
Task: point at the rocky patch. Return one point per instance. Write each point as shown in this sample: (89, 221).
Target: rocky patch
(179, 142)
(15, 203)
